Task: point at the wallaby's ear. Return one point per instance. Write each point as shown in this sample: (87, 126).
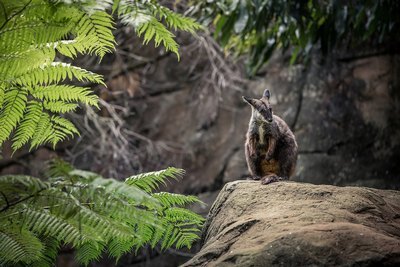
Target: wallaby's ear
(248, 100)
(266, 93)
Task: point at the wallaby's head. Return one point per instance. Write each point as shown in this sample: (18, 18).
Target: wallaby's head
(261, 107)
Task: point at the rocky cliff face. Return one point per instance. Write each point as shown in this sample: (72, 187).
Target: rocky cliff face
(345, 116)
(297, 224)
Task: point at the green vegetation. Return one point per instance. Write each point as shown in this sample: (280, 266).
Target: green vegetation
(33, 33)
(90, 213)
(82, 209)
(259, 27)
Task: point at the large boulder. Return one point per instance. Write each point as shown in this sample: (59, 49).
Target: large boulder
(299, 224)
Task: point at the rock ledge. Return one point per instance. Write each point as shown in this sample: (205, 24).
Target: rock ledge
(296, 224)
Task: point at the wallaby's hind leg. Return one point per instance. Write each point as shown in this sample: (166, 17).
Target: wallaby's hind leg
(270, 178)
(287, 158)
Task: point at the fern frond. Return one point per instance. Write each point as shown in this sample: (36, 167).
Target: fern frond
(131, 193)
(152, 180)
(21, 36)
(49, 254)
(58, 168)
(2, 93)
(97, 27)
(12, 111)
(89, 212)
(59, 106)
(71, 48)
(153, 29)
(48, 224)
(43, 131)
(158, 233)
(171, 199)
(116, 247)
(13, 64)
(89, 251)
(167, 236)
(26, 128)
(21, 183)
(180, 215)
(175, 20)
(63, 126)
(67, 93)
(147, 18)
(18, 245)
(187, 237)
(56, 72)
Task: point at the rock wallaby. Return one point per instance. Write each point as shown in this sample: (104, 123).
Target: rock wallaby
(271, 148)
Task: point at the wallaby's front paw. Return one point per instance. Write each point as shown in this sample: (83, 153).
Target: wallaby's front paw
(271, 179)
(253, 177)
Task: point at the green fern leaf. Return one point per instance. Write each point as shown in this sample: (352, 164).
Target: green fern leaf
(152, 180)
(187, 238)
(12, 111)
(18, 245)
(13, 64)
(66, 93)
(133, 194)
(97, 27)
(59, 106)
(25, 183)
(167, 236)
(62, 128)
(26, 128)
(169, 199)
(2, 93)
(47, 224)
(56, 72)
(89, 251)
(117, 247)
(158, 234)
(90, 212)
(155, 29)
(175, 20)
(58, 168)
(179, 215)
(49, 254)
(43, 131)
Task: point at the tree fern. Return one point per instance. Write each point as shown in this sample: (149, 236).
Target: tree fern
(83, 209)
(92, 214)
(34, 32)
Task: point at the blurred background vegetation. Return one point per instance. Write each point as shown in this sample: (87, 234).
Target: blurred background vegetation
(258, 28)
(333, 69)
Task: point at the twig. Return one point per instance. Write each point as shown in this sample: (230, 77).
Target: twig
(22, 200)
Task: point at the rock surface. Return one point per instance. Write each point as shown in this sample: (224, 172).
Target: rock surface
(298, 224)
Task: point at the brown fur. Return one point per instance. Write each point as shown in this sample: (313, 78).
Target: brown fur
(271, 148)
